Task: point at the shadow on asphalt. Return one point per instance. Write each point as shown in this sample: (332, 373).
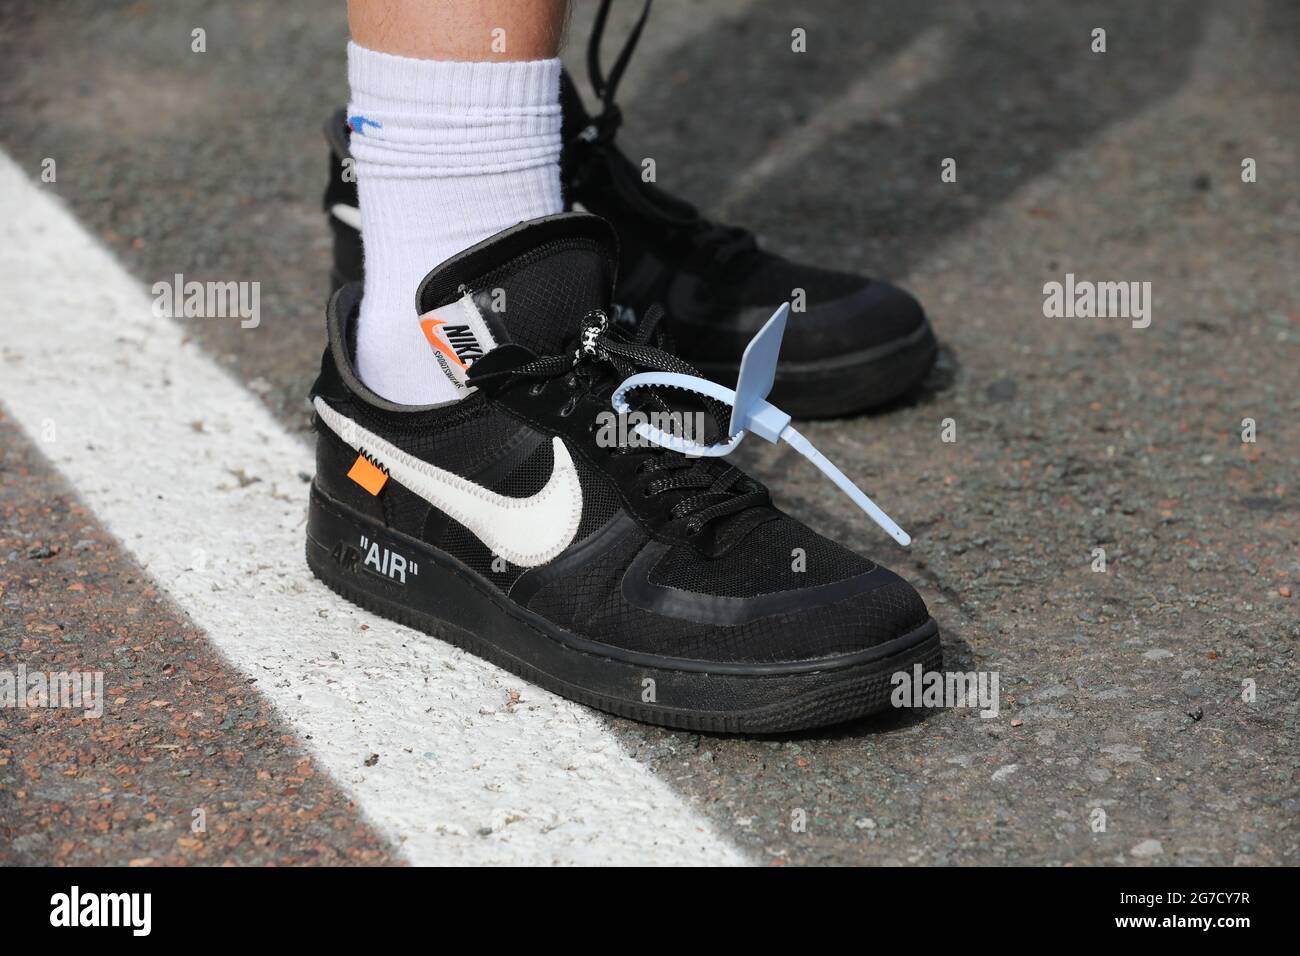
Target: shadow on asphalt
(957, 655)
(1018, 91)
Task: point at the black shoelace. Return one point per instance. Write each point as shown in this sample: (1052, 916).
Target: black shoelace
(607, 354)
(729, 248)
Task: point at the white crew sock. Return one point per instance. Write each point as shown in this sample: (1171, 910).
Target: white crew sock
(447, 154)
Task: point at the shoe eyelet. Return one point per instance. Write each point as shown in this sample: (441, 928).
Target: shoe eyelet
(567, 408)
(536, 389)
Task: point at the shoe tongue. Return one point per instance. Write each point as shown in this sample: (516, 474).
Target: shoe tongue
(530, 285)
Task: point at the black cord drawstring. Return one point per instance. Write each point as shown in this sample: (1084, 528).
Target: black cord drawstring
(608, 121)
(722, 244)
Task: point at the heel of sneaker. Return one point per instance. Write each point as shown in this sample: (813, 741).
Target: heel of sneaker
(365, 562)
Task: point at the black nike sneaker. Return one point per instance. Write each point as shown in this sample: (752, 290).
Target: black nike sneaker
(857, 344)
(628, 577)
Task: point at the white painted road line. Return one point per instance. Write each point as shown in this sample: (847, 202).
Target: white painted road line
(463, 775)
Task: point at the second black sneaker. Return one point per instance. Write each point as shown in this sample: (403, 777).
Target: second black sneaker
(853, 343)
(622, 575)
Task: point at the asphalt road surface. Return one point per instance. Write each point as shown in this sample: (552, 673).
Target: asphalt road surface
(152, 471)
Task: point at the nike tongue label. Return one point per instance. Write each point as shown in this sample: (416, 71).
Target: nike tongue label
(459, 336)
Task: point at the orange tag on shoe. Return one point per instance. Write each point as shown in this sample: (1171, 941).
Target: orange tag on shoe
(367, 475)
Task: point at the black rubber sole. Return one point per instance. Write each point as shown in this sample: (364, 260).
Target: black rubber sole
(419, 586)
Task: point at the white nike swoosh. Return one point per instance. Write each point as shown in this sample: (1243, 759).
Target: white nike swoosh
(525, 531)
(348, 215)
